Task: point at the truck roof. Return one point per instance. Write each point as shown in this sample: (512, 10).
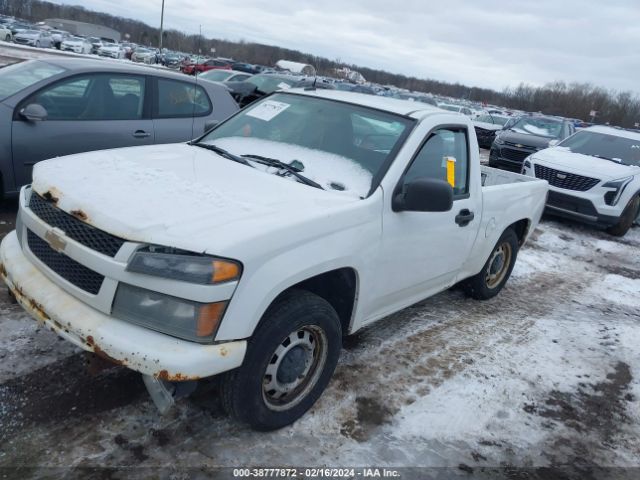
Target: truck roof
(392, 105)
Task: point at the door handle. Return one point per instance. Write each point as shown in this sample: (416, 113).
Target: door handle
(141, 134)
(465, 217)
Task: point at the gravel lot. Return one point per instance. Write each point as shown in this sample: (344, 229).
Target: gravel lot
(546, 374)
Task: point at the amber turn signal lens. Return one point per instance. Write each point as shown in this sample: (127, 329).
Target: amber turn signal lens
(224, 271)
(209, 318)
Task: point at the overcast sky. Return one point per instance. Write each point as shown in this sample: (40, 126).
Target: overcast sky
(487, 43)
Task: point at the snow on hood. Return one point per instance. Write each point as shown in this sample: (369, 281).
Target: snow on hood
(564, 159)
(486, 125)
(176, 194)
(322, 167)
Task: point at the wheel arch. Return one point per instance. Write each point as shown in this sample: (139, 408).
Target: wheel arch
(521, 228)
(339, 287)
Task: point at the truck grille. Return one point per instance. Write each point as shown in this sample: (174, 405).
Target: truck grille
(81, 232)
(75, 273)
(515, 155)
(568, 181)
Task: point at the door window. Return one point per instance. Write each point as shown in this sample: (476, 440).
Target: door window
(181, 99)
(441, 147)
(94, 97)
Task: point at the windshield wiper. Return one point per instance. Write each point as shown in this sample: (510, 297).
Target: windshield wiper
(222, 152)
(272, 162)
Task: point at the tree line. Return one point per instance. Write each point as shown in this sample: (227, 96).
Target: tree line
(575, 100)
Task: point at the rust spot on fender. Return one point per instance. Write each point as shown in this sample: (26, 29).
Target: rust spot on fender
(174, 377)
(223, 351)
(79, 214)
(101, 353)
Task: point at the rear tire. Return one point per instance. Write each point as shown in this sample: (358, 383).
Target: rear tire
(496, 271)
(7, 38)
(37, 43)
(289, 362)
(627, 218)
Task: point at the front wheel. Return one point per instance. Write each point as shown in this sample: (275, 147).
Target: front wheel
(7, 38)
(289, 362)
(496, 271)
(629, 215)
(37, 44)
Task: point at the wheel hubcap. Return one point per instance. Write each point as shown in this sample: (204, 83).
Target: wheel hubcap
(498, 265)
(294, 368)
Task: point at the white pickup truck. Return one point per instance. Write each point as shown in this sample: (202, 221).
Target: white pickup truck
(251, 251)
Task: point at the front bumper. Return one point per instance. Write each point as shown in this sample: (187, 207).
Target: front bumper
(138, 348)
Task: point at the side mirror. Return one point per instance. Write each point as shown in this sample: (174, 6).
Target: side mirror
(211, 124)
(34, 112)
(423, 195)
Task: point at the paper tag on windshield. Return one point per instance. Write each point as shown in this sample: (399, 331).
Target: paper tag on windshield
(268, 110)
(284, 85)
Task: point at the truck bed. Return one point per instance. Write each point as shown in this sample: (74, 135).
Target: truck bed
(494, 176)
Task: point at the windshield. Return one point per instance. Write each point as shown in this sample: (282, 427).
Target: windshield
(216, 75)
(19, 76)
(621, 149)
(268, 84)
(541, 126)
(340, 146)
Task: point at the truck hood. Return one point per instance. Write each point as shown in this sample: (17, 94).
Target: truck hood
(564, 159)
(182, 196)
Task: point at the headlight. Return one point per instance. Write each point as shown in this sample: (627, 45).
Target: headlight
(498, 140)
(612, 197)
(184, 266)
(194, 321)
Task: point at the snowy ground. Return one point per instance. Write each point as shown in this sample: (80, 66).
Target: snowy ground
(546, 374)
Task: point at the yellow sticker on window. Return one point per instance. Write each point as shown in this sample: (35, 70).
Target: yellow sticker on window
(451, 171)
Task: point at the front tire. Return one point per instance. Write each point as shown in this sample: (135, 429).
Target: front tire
(37, 43)
(496, 271)
(627, 218)
(289, 362)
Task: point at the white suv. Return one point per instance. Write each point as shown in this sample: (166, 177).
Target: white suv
(594, 176)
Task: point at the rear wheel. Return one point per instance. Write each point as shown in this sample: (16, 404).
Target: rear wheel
(37, 43)
(7, 38)
(496, 271)
(289, 362)
(629, 215)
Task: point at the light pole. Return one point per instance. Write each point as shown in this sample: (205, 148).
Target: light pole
(161, 25)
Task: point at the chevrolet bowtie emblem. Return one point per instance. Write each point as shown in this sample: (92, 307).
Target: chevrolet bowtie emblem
(55, 240)
(519, 145)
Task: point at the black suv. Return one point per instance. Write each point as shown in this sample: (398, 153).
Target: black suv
(525, 137)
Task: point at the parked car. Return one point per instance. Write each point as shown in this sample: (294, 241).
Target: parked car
(76, 45)
(172, 60)
(143, 55)
(69, 105)
(34, 38)
(224, 76)
(5, 34)
(486, 126)
(456, 108)
(204, 65)
(246, 67)
(526, 136)
(252, 251)
(260, 85)
(594, 177)
(18, 27)
(111, 50)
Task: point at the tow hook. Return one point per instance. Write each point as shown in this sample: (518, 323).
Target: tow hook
(164, 393)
